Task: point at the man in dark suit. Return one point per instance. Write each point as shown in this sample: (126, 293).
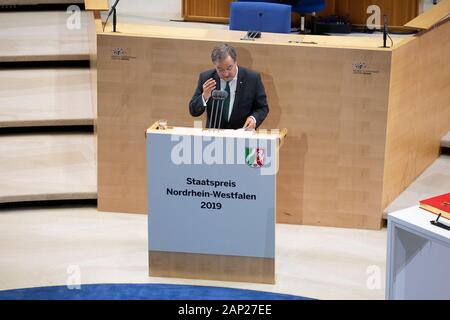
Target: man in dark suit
(246, 105)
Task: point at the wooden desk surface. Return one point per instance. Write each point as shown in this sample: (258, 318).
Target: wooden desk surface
(352, 42)
(439, 12)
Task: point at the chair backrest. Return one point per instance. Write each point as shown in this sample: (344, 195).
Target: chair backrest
(307, 6)
(260, 16)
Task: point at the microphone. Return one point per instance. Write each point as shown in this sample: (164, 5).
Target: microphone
(218, 97)
(112, 10)
(385, 31)
(219, 94)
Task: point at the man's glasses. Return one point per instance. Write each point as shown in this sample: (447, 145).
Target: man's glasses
(228, 69)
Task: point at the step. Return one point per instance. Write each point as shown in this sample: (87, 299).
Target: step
(45, 97)
(445, 141)
(42, 36)
(50, 166)
(435, 180)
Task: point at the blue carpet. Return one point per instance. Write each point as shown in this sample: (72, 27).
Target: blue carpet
(141, 292)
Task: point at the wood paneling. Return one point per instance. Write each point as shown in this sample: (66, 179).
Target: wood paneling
(399, 12)
(419, 108)
(211, 267)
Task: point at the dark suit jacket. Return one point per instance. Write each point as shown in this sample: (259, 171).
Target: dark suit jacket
(250, 99)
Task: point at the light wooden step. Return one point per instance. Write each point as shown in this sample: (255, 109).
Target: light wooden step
(56, 166)
(42, 36)
(45, 97)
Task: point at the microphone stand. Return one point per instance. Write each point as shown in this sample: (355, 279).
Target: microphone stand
(213, 107)
(114, 19)
(113, 12)
(221, 110)
(218, 97)
(219, 105)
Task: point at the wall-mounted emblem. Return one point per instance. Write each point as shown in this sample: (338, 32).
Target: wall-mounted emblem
(121, 54)
(362, 68)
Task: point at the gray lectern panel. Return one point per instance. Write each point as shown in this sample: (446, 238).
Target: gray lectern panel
(211, 197)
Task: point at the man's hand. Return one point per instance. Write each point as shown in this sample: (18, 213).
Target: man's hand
(250, 124)
(208, 87)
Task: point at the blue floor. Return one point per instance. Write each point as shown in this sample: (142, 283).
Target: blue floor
(141, 292)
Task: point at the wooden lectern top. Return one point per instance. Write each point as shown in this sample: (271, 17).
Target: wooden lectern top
(225, 133)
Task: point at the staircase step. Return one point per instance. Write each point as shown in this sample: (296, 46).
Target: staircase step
(45, 97)
(445, 141)
(42, 36)
(435, 180)
(51, 166)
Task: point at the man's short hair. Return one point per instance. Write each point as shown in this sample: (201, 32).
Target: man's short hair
(222, 51)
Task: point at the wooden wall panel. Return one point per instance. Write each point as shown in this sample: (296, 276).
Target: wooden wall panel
(331, 165)
(206, 10)
(211, 267)
(419, 108)
(93, 28)
(399, 12)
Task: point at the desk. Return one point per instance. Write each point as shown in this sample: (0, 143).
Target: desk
(363, 121)
(418, 256)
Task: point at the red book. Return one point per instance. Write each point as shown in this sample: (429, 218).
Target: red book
(438, 205)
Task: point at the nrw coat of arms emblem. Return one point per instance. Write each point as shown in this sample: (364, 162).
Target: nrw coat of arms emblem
(254, 157)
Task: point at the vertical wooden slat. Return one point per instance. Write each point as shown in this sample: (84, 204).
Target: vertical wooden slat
(399, 12)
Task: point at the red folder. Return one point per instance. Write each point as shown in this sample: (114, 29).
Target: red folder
(438, 205)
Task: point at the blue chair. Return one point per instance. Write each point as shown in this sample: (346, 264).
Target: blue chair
(260, 16)
(300, 6)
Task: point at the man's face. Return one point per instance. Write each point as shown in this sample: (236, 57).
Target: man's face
(226, 68)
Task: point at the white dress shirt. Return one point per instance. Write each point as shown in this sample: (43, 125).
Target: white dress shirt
(233, 86)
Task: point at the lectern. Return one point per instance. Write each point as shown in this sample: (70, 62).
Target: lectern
(212, 202)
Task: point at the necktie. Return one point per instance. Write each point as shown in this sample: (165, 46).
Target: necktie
(226, 103)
